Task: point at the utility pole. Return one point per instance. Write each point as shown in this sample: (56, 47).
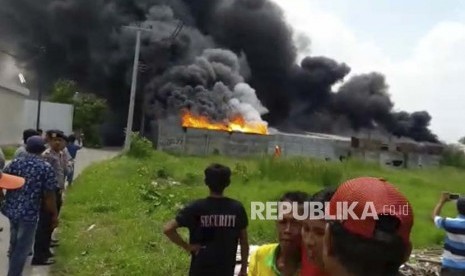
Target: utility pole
(39, 86)
(139, 30)
(127, 141)
(39, 103)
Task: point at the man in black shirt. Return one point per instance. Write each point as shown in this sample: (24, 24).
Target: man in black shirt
(216, 224)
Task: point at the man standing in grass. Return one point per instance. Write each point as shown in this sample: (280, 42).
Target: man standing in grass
(216, 224)
(284, 257)
(453, 261)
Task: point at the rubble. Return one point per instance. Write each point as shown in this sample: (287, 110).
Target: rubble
(426, 262)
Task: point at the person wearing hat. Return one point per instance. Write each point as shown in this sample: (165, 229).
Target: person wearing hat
(57, 158)
(22, 205)
(373, 238)
(453, 259)
(54, 156)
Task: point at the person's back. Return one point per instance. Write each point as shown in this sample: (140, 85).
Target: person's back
(24, 203)
(216, 225)
(453, 259)
(368, 241)
(217, 231)
(22, 206)
(72, 147)
(21, 151)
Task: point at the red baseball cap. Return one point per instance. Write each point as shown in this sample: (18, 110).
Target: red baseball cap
(383, 199)
(11, 182)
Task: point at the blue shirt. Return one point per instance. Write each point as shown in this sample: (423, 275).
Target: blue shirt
(73, 149)
(454, 246)
(24, 204)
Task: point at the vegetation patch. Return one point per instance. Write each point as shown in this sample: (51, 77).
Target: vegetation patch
(113, 217)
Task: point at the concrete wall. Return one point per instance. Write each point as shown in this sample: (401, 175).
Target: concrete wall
(171, 137)
(307, 145)
(52, 116)
(388, 158)
(12, 110)
(17, 113)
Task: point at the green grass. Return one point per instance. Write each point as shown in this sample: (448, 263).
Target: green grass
(9, 152)
(129, 200)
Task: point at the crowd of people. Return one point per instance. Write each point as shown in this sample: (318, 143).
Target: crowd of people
(47, 165)
(330, 246)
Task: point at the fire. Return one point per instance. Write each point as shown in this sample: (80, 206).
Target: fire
(237, 124)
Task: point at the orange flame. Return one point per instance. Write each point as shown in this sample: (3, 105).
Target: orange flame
(237, 124)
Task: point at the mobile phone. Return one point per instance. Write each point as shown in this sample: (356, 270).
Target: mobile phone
(454, 196)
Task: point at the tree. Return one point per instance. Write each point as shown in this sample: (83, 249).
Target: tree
(63, 91)
(462, 141)
(89, 110)
(453, 156)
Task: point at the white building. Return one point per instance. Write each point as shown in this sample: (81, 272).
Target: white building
(12, 113)
(18, 112)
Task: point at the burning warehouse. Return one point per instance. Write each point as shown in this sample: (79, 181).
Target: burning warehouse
(192, 136)
(197, 135)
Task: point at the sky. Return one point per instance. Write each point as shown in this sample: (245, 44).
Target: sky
(419, 45)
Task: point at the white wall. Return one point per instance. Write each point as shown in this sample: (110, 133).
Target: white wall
(12, 111)
(53, 116)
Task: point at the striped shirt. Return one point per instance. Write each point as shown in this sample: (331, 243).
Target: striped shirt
(454, 246)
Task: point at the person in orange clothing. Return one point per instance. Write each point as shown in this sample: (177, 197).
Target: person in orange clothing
(277, 151)
(313, 231)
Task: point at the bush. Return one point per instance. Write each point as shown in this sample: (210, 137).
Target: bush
(89, 110)
(140, 147)
(301, 169)
(241, 171)
(453, 156)
(163, 173)
(192, 179)
(9, 152)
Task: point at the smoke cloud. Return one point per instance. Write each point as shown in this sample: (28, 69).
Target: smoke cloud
(231, 57)
(211, 86)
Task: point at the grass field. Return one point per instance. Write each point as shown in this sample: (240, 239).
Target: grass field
(128, 200)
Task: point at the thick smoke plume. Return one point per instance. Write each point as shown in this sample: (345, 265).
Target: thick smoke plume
(211, 87)
(254, 72)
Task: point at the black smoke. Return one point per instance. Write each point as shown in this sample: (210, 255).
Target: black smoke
(84, 40)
